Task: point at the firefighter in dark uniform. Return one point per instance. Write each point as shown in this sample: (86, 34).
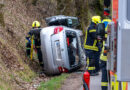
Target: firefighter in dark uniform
(103, 58)
(91, 46)
(33, 40)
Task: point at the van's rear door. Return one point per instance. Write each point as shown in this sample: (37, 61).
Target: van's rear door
(59, 47)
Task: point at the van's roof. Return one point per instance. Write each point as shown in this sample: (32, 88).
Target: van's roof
(53, 18)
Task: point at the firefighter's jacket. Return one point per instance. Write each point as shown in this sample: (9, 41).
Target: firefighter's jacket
(36, 34)
(103, 55)
(91, 42)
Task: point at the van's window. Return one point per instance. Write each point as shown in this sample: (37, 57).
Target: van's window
(128, 10)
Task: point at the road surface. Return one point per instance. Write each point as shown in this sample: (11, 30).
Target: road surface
(95, 82)
(74, 82)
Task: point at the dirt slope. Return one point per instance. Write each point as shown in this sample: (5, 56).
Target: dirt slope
(16, 17)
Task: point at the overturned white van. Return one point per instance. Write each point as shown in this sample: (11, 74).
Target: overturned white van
(62, 48)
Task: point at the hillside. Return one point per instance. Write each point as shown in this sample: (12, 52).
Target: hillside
(15, 69)
(16, 17)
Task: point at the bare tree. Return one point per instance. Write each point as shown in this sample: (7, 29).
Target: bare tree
(65, 7)
(82, 13)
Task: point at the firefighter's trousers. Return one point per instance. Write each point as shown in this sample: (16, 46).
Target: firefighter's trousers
(90, 56)
(28, 48)
(97, 66)
(104, 80)
(39, 54)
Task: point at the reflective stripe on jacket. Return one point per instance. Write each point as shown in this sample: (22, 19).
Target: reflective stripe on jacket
(91, 42)
(103, 55)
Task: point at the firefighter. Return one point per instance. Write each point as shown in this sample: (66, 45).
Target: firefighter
(91, 46)
(106, 7)
(33, 38)
(103, 59)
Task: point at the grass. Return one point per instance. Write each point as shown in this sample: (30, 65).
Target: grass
(54, 83)
(5, 84)
(5, 78)
(26, 75)
(2, 16)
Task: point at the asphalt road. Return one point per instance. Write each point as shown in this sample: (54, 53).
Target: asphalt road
(95, 82)
(74, 82)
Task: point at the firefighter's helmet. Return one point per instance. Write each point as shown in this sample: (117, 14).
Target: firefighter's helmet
(36, 24)
(96, 19)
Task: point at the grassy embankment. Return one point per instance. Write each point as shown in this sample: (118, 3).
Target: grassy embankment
(54, 83)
